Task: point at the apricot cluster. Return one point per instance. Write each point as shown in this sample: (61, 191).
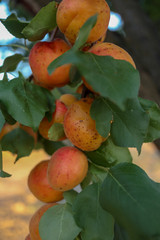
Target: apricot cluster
(48, 180)
(68, 166)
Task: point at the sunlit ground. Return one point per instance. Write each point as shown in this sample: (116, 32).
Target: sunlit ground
(18, 204)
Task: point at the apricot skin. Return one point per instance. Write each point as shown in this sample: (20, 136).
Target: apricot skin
(39, 185)
(67, 168)
(57, 117)
(80, 128)
(72, 14)
(41, 55)
(68, 99)
(28, 237)
(109, 49)
(34, 221)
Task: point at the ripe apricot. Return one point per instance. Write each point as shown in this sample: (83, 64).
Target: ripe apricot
(28, 237)
(80, 128)
(67, 168)
(41, 55)
(34, 221)
(39, 185)
(72, 14)
(57, 117)
(68, 99)
(109, 49)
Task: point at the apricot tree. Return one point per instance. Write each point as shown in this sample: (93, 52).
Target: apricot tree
(101, 121)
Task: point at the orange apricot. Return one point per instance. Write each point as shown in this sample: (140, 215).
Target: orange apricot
(68, 99)
(34, 221)
(67, 168)
(41, 55)
(80, 128)
(39, 185)
(72, 14)
(57, 117)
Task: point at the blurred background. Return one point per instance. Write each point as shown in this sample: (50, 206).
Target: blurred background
(135, 26)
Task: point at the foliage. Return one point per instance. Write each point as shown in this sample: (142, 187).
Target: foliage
(118, 200)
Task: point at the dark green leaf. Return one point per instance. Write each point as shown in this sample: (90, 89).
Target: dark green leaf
(98, 173)
(134, 201)
(74, 76)
(85, 31)
(50, 147)
(18, 142)
(89, 215)
(154, 124)
(2, 120)
(119, 233)
(108, 154)
(115, 79)
(14, 25)
(27, 102)
(87, 180)
(129, 127)
(58, 223)
(102, 114)
(4, 174)
(7, 117)
(11, 63)
(42, 23)
(56, 132)
(70, 196)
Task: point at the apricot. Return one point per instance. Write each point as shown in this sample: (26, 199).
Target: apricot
(41, 55)
(39, 185)
(28, 237)
(57, 117)
(109, 49)
(34, 221)
(68, 99)
(80, 128)
(67, 168)
(72, 14)
(8, 128)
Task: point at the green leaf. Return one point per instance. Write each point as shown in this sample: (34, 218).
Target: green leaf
(18, 142)
(87, 180)
(119, 233)
(134, 201)
(56, 132)
(98, 173)
(7, 117)
(102, 114)
(2, 120)
(74, 76)
(85, 31)
(42, 23)
(154, 123)
(11, 63)
(50, 147)
(114, 79)
(108, 154)
(4, 174)
(27, 102)
(14, 25)
(70, 196)
(58, 223)
(89, 215)
(129, 127)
